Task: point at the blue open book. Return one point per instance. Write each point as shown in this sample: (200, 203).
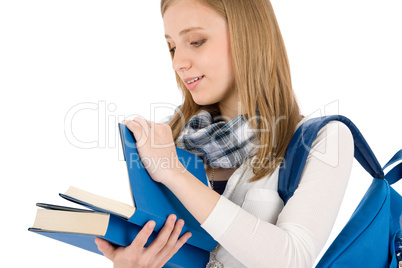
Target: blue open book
(118, 222)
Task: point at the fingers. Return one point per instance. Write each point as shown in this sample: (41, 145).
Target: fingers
(158, 253)
(140, 128)
(163, 236)
(142, 237)
(106, 248)
(173, 244)
(168, 242)
(179, 243)
(150, 133)
(145, 124)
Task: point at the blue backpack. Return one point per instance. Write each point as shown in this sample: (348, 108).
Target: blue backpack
(367, 240)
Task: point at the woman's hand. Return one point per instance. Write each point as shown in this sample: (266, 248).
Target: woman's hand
(156, 148)
(161, 249)
(158, 154)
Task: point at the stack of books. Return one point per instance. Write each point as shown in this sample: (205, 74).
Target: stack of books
(119, 223)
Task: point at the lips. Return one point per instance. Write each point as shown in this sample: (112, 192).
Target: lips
(192, 82)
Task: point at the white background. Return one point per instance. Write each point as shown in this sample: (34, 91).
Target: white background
(111, 57)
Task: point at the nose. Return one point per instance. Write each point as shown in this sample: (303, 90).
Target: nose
(181, 61)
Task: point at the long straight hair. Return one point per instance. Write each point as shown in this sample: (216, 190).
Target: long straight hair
(262, 79)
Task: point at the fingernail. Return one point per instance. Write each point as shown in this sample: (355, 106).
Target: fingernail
(151, 224)
(172, 217)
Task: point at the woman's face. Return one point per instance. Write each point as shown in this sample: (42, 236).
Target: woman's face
(199, 37)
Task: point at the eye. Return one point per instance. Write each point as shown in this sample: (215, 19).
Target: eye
(172, 49)
(198, 43)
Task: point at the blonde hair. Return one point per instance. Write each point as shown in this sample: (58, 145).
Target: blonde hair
(262, 79)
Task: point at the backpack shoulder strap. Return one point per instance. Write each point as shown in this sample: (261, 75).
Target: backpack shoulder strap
(299, 148)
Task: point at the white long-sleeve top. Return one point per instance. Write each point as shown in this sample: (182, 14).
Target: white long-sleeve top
(253, 227)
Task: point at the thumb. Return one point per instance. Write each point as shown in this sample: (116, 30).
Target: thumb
(106, 248)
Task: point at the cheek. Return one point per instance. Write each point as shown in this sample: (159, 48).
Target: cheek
(220, 62)
(226, 69)
(226, 60)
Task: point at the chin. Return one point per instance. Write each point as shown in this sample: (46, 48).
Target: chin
(203, 101)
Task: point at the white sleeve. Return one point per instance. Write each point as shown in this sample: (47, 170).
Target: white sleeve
(305, 222)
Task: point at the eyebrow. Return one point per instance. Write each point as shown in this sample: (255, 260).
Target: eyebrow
(183, 32)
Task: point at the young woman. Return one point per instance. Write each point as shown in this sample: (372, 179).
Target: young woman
(239, 114)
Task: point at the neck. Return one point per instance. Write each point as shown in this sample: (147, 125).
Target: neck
(230, 111)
